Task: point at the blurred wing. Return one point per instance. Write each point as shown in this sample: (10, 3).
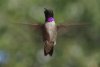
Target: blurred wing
(29, 23)
(63, 28)
(34, 26)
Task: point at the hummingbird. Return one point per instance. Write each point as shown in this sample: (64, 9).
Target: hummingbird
(49, 31)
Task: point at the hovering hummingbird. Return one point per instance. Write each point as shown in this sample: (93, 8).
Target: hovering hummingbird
(49, 31)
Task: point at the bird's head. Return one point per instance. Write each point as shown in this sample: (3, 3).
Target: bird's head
(49, 15)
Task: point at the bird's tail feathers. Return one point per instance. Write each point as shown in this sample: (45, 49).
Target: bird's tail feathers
(48, 49)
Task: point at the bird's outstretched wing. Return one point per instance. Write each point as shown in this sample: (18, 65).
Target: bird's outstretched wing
(62, 28)
(35, 26)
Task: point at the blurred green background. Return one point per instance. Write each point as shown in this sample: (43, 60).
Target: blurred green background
(22, 46)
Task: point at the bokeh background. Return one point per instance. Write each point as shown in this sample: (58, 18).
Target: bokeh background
(22, 46)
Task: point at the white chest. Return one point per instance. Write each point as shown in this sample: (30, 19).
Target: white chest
(50, 25)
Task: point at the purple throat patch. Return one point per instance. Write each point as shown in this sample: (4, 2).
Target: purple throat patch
(50, 19)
